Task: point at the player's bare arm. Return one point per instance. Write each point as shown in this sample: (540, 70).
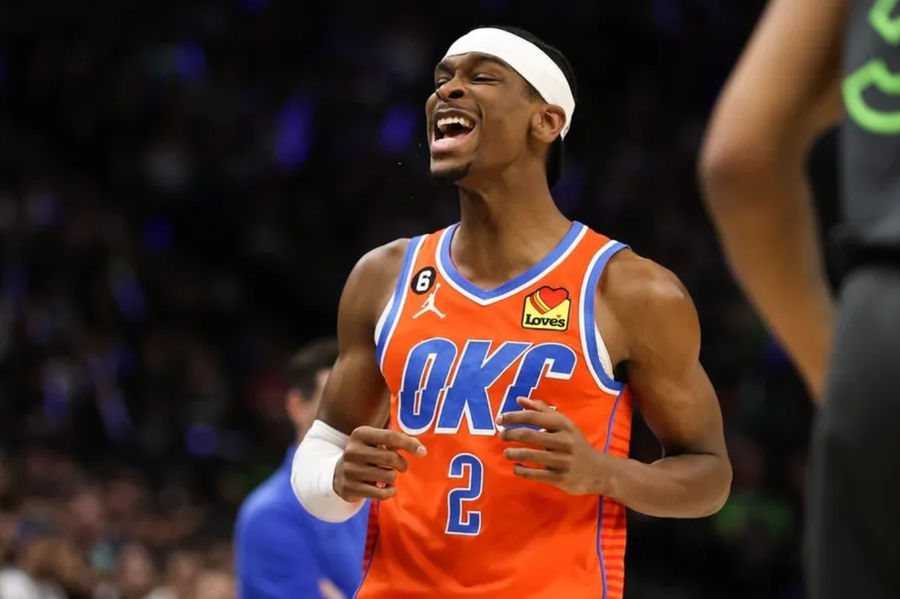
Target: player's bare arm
(652, 332)
(783, 94)
(355, 394)
(355, 399)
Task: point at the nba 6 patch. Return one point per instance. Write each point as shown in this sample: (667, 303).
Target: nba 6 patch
(547, 309)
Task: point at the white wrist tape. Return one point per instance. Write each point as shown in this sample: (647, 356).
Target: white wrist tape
(312, 474)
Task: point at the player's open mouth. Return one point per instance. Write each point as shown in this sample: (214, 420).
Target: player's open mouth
(450, 132)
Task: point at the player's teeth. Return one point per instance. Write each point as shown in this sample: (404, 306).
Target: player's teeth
(445, 122)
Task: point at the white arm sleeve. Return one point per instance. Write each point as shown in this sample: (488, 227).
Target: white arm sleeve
(312, 474)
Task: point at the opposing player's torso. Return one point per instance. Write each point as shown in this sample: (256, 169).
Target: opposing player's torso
(870, 137)
(454, 357)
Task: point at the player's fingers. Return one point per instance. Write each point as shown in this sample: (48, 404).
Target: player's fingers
(551, 441)
(359, 490)
(546, 420)
(369, 474)
(370, 435)
(400, 441)
(549, 421)
(534, 404)
(550, 476)
(377, 456)
(390, 439)
(550, 459)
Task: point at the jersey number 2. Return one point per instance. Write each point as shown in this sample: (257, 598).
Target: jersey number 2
(460, 521)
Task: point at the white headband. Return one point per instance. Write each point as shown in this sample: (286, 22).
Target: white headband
(528, 60)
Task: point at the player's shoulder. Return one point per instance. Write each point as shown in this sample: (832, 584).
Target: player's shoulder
(638, 288)
(631, 277)
(372, 281)
(382, 263)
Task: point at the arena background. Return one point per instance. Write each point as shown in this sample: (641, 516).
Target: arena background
(184, 187)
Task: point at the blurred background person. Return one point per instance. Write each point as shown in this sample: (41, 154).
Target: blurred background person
(182, 572)
(35, 574)
(215, 584)
(808, 62)
(281, 550)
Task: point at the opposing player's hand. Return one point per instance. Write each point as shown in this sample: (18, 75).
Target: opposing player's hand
(371, 462)
(563, 456)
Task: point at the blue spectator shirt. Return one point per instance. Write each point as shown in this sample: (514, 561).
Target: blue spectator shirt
(282, 551)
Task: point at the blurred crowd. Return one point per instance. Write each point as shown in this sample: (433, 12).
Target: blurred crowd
(184, 187)
(64, 533)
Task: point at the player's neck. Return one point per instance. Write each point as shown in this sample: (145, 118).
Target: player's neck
(507, 225)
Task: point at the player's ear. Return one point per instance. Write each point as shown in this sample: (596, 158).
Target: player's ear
(547, 124)
(293, 405)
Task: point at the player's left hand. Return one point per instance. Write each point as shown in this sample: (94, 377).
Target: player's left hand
(567, 460)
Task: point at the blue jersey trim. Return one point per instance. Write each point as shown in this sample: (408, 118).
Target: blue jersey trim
(521, 280)
(609, 427)
(387, 328)
(373, 512)
(587, 318)
(612, 418)
(600, 545)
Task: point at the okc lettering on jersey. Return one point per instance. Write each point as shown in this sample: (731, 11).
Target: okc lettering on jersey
(438, 387)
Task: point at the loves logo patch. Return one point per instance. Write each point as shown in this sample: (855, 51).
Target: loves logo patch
(547, 309)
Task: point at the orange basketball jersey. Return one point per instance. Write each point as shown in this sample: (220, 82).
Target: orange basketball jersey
(454, 357)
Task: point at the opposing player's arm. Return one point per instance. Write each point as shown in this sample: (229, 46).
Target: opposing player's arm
(783, 93)
(661, 331)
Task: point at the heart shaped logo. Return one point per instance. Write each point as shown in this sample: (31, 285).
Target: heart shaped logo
(547, 309)
(547, 298)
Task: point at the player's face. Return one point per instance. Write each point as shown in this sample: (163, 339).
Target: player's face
(478, 117)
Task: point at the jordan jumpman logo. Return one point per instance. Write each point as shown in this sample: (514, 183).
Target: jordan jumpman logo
(428, 304)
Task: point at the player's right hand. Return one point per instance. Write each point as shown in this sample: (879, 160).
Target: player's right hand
(371, 457)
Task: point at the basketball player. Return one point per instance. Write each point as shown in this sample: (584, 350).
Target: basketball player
(510, 348)
(804, 58)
